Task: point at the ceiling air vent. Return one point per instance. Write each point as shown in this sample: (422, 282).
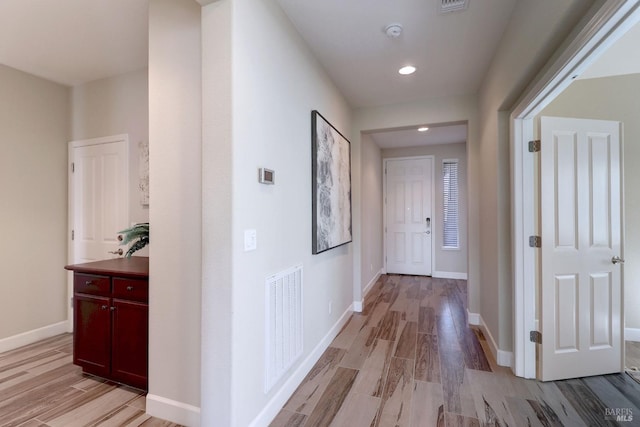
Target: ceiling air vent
(447, 6)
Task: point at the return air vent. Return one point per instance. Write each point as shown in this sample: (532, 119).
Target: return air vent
(283, 324)
(447, 6)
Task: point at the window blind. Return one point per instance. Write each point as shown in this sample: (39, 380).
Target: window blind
(450, 205)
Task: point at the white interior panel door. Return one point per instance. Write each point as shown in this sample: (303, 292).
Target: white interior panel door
(100, 199)
(409, 218)
(581, 206)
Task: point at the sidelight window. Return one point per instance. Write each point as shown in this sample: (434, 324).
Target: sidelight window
(450, 236)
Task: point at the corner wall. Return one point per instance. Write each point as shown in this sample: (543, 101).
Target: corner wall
(372, 205)
(537, 28)
(34, 130)
(276, 83)
(175, 126)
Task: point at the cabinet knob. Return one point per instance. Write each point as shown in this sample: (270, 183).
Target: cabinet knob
(88, 283)
(104, 307)
(129, 288)
(113, 309)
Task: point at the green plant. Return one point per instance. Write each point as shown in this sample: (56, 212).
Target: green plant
(138, 234)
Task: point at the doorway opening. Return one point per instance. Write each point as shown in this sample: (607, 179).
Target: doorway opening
(552, 95)
(445, 219)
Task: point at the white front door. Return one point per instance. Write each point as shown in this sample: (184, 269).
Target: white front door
(100, 197)
(581, 208)
(409, 218)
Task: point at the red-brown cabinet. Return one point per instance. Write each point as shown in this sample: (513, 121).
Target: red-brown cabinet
(111, 319)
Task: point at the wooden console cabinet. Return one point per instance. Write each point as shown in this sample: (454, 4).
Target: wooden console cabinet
(111, 319)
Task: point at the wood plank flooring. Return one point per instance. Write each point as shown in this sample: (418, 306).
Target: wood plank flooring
(40, 387)
(632, 354)
(411, 360)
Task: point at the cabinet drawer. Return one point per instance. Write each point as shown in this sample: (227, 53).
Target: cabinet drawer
(91, 284)
(131, 289)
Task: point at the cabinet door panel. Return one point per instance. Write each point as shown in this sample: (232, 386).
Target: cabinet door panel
(92, 334)
(130, 338)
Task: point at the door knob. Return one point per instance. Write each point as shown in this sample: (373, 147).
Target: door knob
(617, 260)
(118, 252)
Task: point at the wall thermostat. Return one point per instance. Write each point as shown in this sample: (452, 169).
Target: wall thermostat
(266, 176)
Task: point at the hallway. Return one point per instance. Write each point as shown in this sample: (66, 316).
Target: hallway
(411, 360)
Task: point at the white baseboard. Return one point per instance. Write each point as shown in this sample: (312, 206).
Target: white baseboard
(358, 306)
(291, 384)
(503, 358)
(449, 275)
(174, 411)
(29, 337)
(473, 318)
(632, 334)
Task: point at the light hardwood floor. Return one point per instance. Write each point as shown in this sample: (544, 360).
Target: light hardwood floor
(40, 387)
(411, 360)
(632, 354)
(408, 360)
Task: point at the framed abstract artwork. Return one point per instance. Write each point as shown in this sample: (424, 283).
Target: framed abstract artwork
(331, 185)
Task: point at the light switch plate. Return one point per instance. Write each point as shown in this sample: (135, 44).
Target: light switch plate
(250, 240)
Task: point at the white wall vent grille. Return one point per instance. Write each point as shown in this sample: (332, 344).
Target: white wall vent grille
(453, 5)
(283, 324)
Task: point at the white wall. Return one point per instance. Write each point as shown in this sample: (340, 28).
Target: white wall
(445, 110)
(372, 228)
(34, 130)
(217, 214)
(446, 260)
(113, 106)
(175, 126)
(615, 98)
(276, 84)
(537, 28)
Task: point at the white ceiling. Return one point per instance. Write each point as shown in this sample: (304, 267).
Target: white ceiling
(74, 41)
(401, 138)
(451, 51)
(623, 57)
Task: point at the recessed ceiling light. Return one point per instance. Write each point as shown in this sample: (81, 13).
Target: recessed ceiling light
(423, 129)
(409, 69)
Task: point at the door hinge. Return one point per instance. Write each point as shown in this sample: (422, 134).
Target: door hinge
(73, 234)
(534, 146)
(535, 336)
(73, 167)
(535, 241)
